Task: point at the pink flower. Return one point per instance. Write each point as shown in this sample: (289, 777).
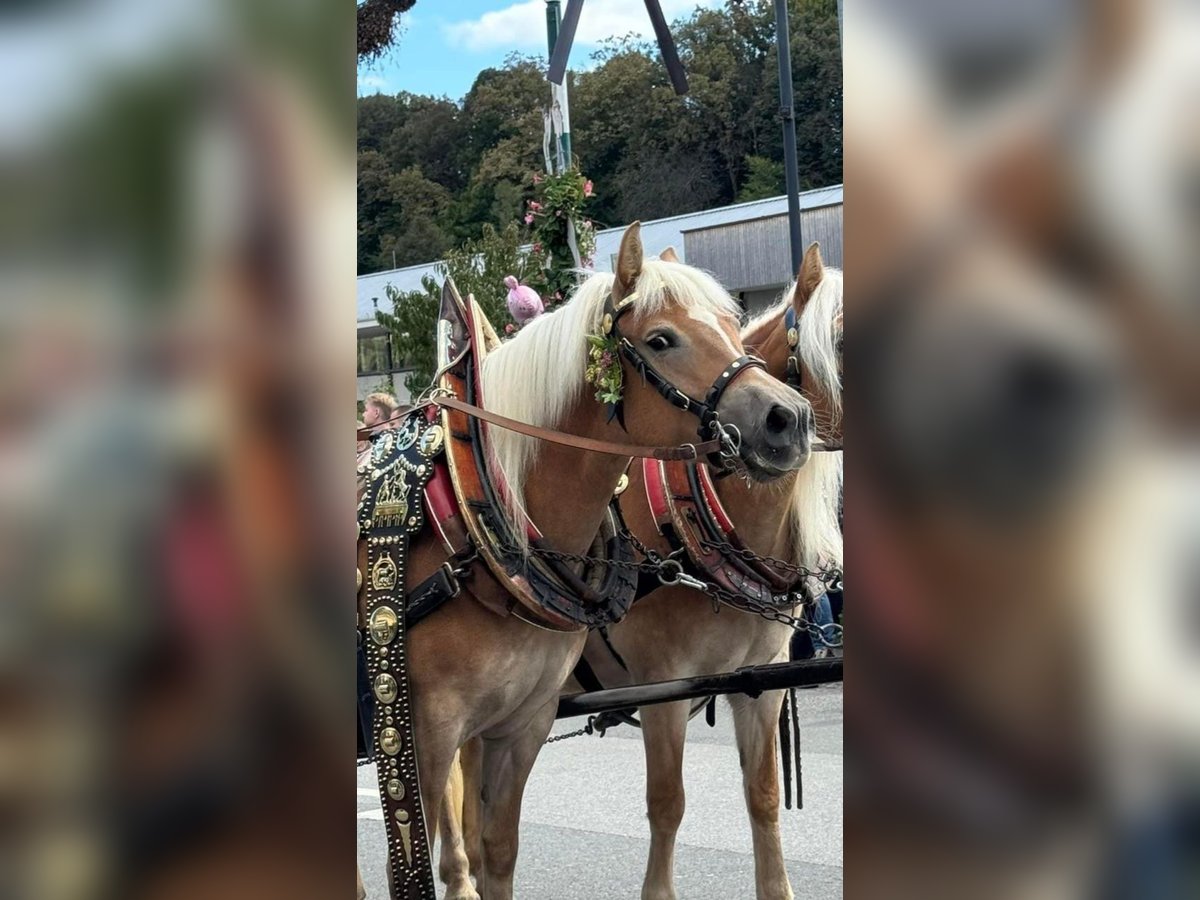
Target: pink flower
(528, 218)
(537, 248)
(537, 178)
(587, 188)
(606, 359)
(509, 328)
(534, 205)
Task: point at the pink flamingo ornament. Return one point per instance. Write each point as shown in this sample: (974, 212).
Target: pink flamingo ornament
(523, 301)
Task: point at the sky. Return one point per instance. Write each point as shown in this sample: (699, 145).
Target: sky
(444, 45)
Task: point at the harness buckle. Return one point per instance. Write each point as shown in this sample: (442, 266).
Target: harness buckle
(452, 575)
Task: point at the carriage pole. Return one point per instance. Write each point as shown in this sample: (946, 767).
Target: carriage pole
(787, 112)
(750, 680)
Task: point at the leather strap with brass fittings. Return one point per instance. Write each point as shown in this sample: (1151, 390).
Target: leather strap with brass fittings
(389, 514)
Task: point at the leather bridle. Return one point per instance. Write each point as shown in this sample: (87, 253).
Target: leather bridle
(794, 375)
(710, 428)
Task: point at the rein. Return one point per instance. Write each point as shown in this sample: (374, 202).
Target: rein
(684, 452)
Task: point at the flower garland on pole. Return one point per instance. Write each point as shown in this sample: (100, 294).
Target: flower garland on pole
(563, 240)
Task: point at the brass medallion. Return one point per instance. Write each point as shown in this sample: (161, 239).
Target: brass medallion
(389, 741)
(431, 441)
(793, 337)
(391, 505)
(386, 689)
(384, 573)
(406, 433)
(383, 626)
(395, 789)
(607, 324)
(622, 483)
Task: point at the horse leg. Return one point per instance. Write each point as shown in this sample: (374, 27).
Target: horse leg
(471, 761)
(664, 729)
(454, 868)
(507, 763)
(756, 725)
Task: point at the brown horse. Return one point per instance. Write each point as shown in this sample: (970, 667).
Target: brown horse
(674, 633)
(477, 674)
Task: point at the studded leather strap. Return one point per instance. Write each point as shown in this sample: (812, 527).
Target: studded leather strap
(389, 513)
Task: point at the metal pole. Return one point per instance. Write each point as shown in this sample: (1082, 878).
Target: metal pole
(558, 92)
(751, 680)
(787, 112)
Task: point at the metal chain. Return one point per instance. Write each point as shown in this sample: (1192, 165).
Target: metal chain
(656, 564)
(831, 576)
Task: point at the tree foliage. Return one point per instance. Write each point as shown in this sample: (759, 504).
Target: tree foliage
(377, 25)
(433, 172)
(478, 268)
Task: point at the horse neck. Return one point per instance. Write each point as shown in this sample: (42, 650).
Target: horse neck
(568, 490)
(761, 512)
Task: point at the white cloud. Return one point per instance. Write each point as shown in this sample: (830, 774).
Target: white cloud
(522, 26)
(377, 82)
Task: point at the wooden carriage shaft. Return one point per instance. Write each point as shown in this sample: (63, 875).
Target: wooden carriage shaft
(751, 680)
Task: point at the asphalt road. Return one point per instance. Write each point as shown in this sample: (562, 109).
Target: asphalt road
(584, 834)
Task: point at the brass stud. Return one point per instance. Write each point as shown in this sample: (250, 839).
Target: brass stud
(386, 689)
(389, 741)
(401, 815)
(384, 625)
(793, 337)
(607, 324)
(622, 483)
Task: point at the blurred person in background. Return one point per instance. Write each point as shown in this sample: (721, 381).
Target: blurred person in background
(378, 410)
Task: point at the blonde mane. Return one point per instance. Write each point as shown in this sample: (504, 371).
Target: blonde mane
(538, 375)
(816, 488)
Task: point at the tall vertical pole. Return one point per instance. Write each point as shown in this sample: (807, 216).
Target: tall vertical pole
(558, 92)
(787, 112)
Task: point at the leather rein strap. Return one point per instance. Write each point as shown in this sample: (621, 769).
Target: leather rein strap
(684, 452)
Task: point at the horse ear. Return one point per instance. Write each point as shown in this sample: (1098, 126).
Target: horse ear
(668, 255)
(812, 270)
(629, 261)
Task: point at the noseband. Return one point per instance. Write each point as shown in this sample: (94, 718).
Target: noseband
(706, 411)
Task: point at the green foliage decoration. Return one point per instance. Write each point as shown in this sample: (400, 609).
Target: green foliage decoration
(604, 368)
(560, 198)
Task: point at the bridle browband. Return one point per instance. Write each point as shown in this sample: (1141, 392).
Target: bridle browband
(710, 429)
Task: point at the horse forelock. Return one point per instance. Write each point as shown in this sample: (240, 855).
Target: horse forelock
(538, 375)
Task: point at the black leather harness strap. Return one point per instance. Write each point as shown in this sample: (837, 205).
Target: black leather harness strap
(390, 512)
(794, 375)
(706, 410)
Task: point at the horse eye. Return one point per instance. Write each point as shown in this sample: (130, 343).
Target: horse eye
(659, 342)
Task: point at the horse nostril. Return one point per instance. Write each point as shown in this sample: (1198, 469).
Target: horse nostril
(781, 421)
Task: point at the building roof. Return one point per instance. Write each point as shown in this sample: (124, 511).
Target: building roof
(657, 235)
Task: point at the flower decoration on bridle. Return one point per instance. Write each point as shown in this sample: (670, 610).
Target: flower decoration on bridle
(604, 367)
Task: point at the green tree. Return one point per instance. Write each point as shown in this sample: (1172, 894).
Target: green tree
(764, 178)
(478, 268)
